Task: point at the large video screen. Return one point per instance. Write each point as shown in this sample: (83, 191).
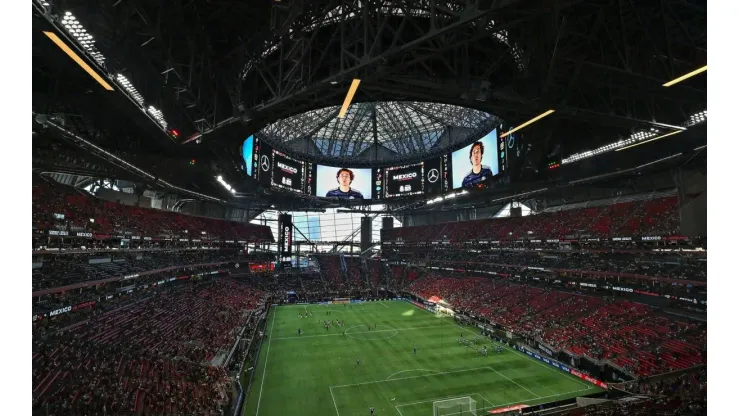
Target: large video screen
(343, 183)
(474, 166)
(403, 181)
(288, 173)
(248, 154)
(437, 175)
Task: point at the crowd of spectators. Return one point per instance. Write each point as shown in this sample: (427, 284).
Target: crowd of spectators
(631, 335)
(149, 356)
(682, 394)
(65, 269)
(362, 278)
(56, 206)
(651, 217)
(671, 265)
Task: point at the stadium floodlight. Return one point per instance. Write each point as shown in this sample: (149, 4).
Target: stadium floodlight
(63, 46)
(348, 98)
(464, 406)
(130, 89)
(651, 140)
(157, 114)
(527, 123)
(698, 118)
(73, 27)
(639, 138)
(686, 76)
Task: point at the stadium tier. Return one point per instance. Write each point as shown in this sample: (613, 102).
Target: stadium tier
(648, 217)
(146, 356)
(69, 211)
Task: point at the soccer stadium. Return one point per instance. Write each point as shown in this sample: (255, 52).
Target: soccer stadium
(369, 207)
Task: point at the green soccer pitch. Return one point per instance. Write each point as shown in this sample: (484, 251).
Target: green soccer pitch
(317, 373)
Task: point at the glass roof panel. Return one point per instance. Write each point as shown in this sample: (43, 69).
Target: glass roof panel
(406, 128)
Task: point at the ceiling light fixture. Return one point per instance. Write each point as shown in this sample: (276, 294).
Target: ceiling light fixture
(527, 123)
(686, 76)
(129, 87)
(158, 116)
(63, 46)
(651, 140)
(348, 98)
(694, 119)
(78, 33)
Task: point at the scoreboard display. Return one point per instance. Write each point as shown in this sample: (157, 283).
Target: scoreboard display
(403, 181)
(473, 167)
(288, 173)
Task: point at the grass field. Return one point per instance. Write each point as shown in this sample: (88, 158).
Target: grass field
(317, 373)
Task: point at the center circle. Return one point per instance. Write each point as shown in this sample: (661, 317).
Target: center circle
(372, 334)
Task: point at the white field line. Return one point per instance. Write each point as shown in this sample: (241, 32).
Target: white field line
(379, 330)
(494, 406)
(536, 361)
(408, 378)
(408, 371)
(458, 396)
(383, 303)
(335, 402)
(267, 355)
(539, 398)
(528, 390)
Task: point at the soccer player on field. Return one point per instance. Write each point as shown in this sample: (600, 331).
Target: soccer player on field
(414, 349)
(372, 411)
(358, 362)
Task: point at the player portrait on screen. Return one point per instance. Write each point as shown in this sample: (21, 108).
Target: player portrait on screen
(344, 179)
(480, 172)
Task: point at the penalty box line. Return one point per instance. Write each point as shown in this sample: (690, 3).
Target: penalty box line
(491, 406)
(458, 396)
(411, 377)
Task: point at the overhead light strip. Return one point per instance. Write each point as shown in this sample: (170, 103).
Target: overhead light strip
(685, 77)
(525, 124)
(651, 140)
(636, 138)
(348, 98)
(63, 46)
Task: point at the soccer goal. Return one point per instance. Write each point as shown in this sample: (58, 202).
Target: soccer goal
(464, 406)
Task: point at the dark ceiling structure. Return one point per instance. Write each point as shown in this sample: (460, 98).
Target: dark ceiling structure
(218, 71)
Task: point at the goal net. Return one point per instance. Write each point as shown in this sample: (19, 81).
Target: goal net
(463, 406)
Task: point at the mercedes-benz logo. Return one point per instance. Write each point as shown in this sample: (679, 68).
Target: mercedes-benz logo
(265, 163)
(433, 175)
(511, 142)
